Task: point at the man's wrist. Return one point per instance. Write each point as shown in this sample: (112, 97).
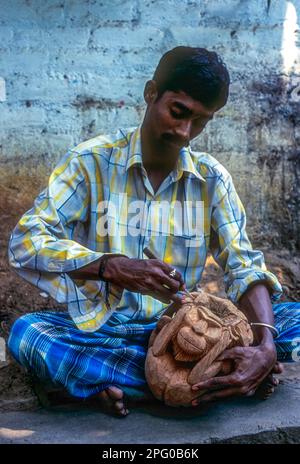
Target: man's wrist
(107, 266)
(265, 341)
(262, 335)
(268, 349)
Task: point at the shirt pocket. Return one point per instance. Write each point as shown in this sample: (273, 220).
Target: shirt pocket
(187, 251)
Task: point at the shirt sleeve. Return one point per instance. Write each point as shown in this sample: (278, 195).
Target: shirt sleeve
(232, 249)
(42, 247)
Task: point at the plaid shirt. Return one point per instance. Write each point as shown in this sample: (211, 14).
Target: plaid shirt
(61, 232)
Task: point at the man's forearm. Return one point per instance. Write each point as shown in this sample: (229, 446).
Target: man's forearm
(256, 305)
(88, 272)
(91, 270)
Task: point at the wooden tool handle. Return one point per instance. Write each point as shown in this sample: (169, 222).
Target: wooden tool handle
(149, 253)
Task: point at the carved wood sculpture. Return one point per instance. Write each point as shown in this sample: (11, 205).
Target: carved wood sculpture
(183, 350)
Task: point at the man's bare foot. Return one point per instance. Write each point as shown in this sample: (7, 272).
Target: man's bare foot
(267, 387)
(112, 399)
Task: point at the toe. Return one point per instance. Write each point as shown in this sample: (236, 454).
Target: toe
(115, 393)
(278, 368)
(267, 387)
(268, 393)
(120, 408)
(112, 401)
(271, 381)
(104, 396)
(270, 390)
(275, 382)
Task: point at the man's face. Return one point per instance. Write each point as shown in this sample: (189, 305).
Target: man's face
(175, 119)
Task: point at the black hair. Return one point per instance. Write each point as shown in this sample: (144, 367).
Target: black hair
(196, 71)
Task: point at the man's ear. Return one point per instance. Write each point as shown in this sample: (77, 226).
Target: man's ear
(150, 92)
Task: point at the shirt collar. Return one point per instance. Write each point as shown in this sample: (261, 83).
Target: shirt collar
(135, 149)
(185, 162)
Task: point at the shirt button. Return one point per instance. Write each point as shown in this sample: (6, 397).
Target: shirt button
(51, 266)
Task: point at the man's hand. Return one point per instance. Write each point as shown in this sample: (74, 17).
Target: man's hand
(145, 276)
(251, 365)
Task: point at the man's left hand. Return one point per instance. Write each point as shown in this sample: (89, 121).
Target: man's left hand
(251, 365)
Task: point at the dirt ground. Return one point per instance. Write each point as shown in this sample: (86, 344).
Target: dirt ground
(17, 297)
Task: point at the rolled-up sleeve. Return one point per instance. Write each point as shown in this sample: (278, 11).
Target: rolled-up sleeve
(43, 247)
(232, 249)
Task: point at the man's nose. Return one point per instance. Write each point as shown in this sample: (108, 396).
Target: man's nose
(183, 130)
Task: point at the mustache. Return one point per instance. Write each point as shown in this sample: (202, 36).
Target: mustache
(175, 140)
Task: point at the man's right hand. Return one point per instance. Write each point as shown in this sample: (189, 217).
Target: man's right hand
(145, 276)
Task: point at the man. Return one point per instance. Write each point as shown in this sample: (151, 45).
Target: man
(114, 293)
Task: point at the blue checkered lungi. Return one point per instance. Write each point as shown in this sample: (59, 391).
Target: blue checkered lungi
(51, 346)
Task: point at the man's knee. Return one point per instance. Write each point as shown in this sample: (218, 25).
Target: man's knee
(17, 336)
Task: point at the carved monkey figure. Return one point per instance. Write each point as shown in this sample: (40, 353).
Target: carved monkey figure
(183, 350)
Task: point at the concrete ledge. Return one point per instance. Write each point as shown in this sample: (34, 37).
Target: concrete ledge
(240, 421)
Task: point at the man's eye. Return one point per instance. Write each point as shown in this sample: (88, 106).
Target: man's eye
(175, 114)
